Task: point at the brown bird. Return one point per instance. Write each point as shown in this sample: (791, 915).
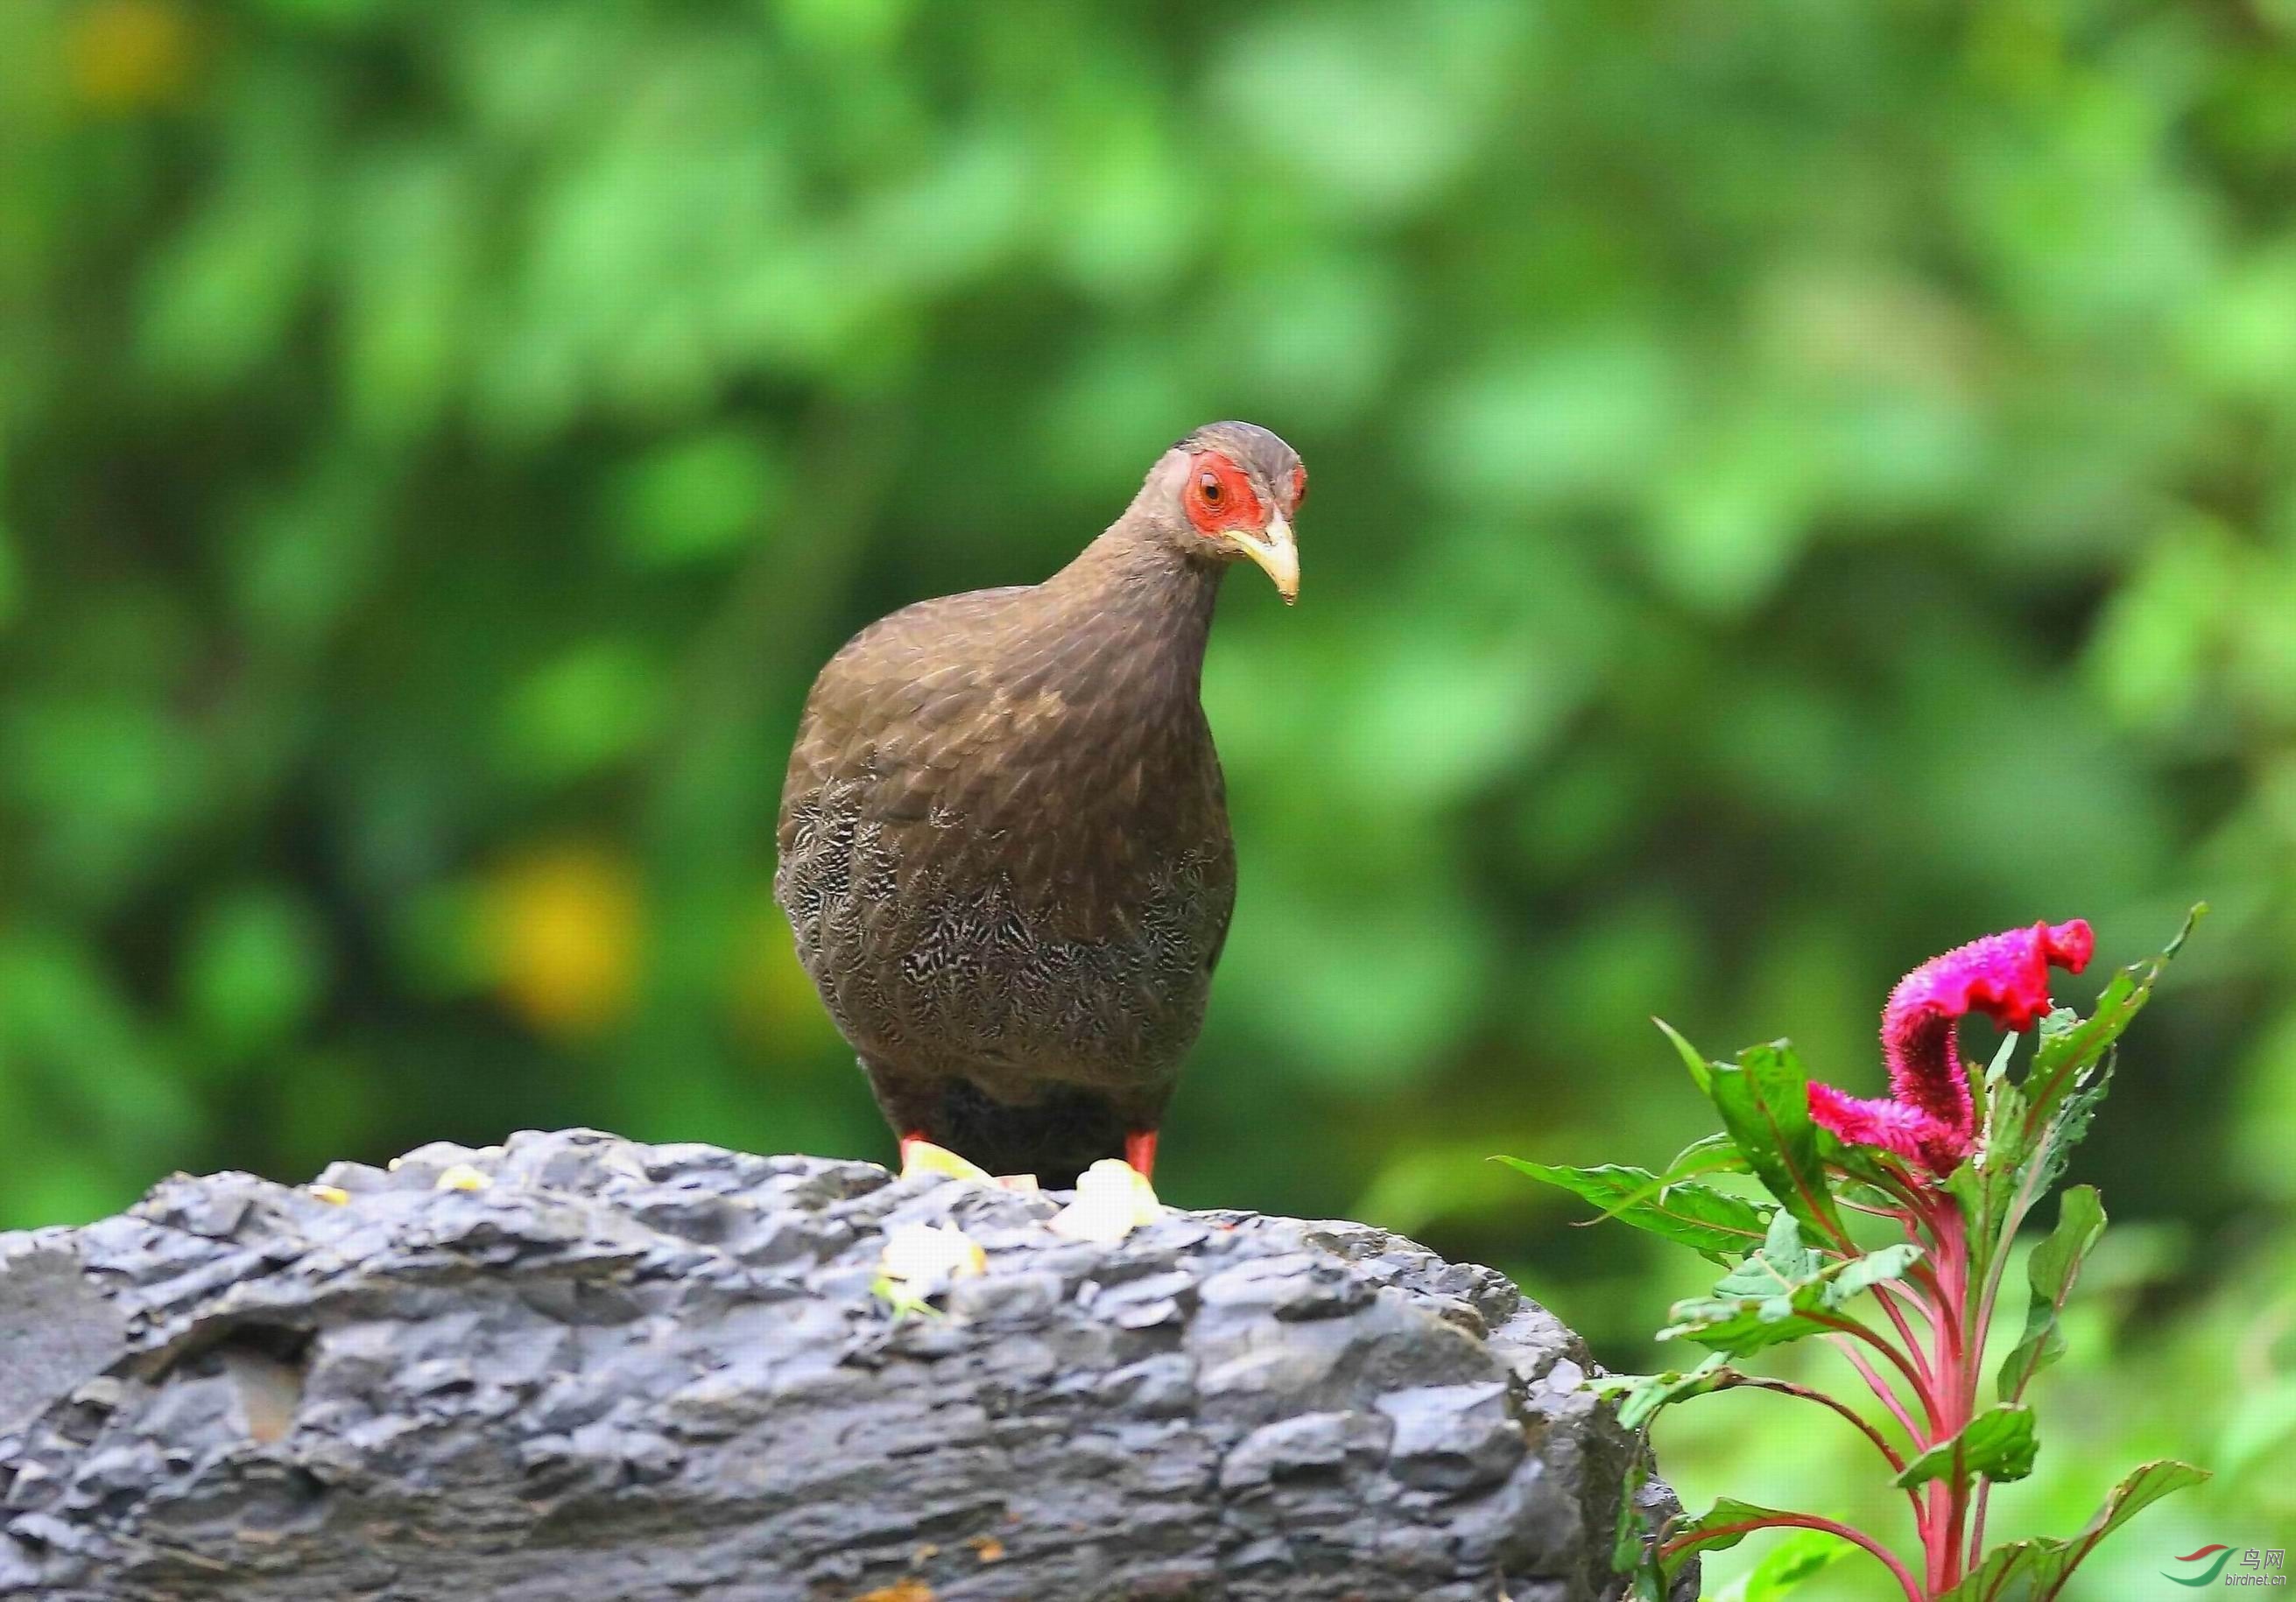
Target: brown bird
(1003, 837)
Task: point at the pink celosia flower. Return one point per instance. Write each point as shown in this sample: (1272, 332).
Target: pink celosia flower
(1928, 1115)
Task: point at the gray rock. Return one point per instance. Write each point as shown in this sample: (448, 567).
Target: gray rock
(625, 1373)
(57, 1331)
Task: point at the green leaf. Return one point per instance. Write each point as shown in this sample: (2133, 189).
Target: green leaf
(2054, 1266)
(2000, 1113)
(2036, 1570)
(1719, 1528)
(1865, 1272)
(1803, 1554)
(1627, 1544)
(1996, 1071)
(2031, 1128)
(1989, 1186)
(1779, 1294)
(1701, 1073)
(1868, 1175)
(2064, 1132)
(1764, 1100)
(1716, 1153)
(1634, 1543)
(1782, 1263)
(1998, 1444)
(1967, 1185)
(1982, 1086)
(2007, 1139)
(1644, 1394)
(1698, 1216)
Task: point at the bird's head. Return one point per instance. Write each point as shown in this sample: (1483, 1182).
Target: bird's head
(1230, 490)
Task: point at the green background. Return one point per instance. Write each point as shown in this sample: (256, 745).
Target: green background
(1797, 484)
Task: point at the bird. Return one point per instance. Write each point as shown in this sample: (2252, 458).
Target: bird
(1004, 846)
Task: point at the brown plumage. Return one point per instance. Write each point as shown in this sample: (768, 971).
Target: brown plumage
(1004, 838)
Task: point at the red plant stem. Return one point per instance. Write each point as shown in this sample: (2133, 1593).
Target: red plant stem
(1787, 1388)
(1890, 1455)
(1912, 1195)
(1902, 1294)
(2020, 1205)
(1895, 1298)
(1980, 1325)
(1904, 1364)
(1808, 1521)
(1880, 1389)
(1942, 1533)
(1977, 1525)
(1917, 1207)
(1882, 1294)
(1954, 1393)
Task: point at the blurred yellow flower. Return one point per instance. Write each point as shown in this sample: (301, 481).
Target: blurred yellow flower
(561, 932)
(125, 55)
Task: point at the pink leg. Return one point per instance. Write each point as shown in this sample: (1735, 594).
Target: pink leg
(1140, 1151)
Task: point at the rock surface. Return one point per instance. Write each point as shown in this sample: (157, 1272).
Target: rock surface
(578, 1369)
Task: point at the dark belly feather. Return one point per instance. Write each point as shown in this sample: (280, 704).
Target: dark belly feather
(954, 968)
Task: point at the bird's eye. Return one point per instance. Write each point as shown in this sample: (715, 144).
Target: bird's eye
(1219, 497)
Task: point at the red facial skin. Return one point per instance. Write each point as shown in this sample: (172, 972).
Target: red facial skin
(1220, 497)
(1298, 489)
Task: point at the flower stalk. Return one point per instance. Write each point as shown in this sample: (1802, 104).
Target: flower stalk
(1945, 1169)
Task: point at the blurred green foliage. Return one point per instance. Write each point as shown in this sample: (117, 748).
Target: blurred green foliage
(1797, 485)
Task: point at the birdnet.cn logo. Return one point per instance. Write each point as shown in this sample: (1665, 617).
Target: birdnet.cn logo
(2221, 1565)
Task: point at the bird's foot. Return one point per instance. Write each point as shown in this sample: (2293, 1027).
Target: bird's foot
(1140, 1151)
(1112, 1198)
(921, 1155)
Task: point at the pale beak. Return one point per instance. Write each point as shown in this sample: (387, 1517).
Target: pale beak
(1275, 552)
